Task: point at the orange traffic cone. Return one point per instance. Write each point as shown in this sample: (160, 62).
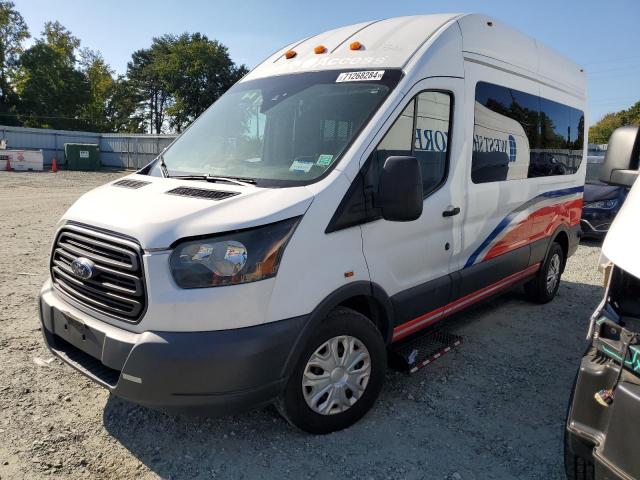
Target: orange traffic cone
(54, 166)
(8, 166)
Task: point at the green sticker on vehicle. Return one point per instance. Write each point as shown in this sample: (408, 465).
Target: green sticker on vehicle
(324, 160)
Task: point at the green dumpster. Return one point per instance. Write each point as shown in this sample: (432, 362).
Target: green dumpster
(82, 156)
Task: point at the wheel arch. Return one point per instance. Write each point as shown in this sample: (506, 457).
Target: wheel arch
(561, 237)
(367, 298)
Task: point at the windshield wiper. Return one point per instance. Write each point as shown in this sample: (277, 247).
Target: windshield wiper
(237, 180)
(242, 181)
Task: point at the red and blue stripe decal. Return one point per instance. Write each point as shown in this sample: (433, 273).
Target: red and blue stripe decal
(535, 219)
(438, 314)
(531, 221)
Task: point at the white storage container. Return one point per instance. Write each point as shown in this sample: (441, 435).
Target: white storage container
(21, 160)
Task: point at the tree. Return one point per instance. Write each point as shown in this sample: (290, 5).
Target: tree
(61, 40)
(601, 131)
(13, 32)
(52, 91)
(178, 77)
(55, 84)
(200, 72)
(148, 77)
(111, 106)
(101, 83)
(122, 108)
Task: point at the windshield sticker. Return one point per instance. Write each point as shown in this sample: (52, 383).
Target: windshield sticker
(360, 76)
(300, 166)
(324, 160)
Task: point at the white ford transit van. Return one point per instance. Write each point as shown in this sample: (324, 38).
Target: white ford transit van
(351, 191)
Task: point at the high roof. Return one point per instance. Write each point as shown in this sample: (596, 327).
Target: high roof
(389, 43)
(392, 43)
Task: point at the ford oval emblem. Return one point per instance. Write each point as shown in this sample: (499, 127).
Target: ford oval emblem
(82, 268)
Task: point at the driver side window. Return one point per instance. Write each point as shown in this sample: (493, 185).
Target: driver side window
(421, 131)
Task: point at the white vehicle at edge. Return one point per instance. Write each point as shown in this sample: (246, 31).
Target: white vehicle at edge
(601, 429)
(352, 190)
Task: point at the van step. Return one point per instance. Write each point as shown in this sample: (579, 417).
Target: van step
(415, 353)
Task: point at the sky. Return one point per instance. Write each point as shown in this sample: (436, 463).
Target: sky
(603, 36)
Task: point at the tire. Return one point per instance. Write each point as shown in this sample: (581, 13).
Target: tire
(540, 289)
(575, 466)
(319, 404)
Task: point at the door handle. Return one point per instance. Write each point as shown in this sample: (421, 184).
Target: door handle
(451, 211)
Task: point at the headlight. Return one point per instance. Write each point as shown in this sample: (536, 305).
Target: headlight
(603, 204)
(232, 258)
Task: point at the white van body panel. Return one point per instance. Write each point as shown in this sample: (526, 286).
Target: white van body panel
(386, 43)
(397, 254)
(506, 47)
(439, 55)
(620, 246)
(316, 264)
(562, 72)
(489, 41)
(158, 219)
(489, 204)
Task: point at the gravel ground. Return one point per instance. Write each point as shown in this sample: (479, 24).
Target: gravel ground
(493, 408)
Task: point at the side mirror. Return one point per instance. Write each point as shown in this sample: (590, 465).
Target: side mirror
(400, 189)
(620, 165)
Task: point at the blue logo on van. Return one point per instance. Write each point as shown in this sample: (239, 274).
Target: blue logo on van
(512, 149)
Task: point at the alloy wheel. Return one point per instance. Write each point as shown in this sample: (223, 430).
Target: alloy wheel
(553, 273)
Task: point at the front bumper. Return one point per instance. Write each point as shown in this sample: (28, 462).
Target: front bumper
(210, 372)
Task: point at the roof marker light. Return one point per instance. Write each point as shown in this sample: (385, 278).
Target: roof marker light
(320, 49)
(290, 54)
(355, 46)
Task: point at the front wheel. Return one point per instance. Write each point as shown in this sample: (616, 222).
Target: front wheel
(545, 285)
(338, 376)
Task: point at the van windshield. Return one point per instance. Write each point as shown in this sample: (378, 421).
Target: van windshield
(279, 131)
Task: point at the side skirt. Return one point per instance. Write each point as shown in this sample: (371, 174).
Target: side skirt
(427, 319)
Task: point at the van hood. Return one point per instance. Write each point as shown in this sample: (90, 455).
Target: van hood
(621, 243)
(157, 218)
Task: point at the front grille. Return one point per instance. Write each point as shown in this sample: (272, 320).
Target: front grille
(202, 193)
(116, 287)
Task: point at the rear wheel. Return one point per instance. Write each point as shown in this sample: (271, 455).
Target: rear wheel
(338, 376)
(544, 286)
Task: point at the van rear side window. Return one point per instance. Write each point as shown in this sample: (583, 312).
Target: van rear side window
(517, 135)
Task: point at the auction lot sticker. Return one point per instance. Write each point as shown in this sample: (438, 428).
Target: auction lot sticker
(360, 76)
